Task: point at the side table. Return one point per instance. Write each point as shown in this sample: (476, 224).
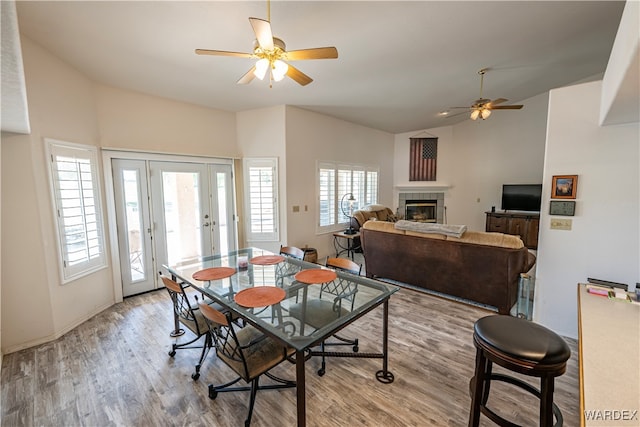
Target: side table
(349, 239)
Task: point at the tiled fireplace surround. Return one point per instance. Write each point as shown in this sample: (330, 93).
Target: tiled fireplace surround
(438, 197)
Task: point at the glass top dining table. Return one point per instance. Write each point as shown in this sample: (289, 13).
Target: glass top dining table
(260, 287)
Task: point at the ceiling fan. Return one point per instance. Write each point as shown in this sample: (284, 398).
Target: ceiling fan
(271, 54)
(482, 107)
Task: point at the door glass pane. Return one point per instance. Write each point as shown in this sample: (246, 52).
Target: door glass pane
(182, 215)
(133, 223)
(221, 179)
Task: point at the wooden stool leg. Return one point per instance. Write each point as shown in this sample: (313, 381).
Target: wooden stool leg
(546, 401)
(487, 369)
(478, 388)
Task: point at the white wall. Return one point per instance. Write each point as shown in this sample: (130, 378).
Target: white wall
(312, 137)
(261, 133)
(62, 106)
(136, 121)
(476, 157)
(603, 242)
(621, 83)
(65, 105)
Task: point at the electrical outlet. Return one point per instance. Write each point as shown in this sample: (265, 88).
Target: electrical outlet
(561, 224)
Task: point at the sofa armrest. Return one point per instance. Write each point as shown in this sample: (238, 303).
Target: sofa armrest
(531, 261)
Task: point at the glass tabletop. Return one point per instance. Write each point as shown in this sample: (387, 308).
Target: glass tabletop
(285, 319)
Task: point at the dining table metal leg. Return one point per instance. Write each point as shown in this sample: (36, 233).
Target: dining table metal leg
(177, 330)
(384, 375)
(301, 403)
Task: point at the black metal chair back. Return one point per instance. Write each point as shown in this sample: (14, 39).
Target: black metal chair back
(184, 313)
(248, 352)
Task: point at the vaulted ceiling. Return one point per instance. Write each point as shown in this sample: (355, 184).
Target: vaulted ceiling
(399, 65)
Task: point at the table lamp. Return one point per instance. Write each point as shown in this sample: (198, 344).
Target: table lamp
(351, 200)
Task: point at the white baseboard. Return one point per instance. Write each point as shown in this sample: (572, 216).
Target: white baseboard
(56, 335)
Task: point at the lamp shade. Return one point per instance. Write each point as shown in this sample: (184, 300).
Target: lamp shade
(279, 70)
(475, 114)
(261, 68)
(485, 113)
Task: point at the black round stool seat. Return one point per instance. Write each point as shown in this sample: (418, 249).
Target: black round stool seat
(521, 346)
(522, 339)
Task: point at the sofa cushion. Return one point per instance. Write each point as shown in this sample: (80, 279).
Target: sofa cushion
(475, 237)
(382, 226)
(372, 208)
(427, 235)
(489, 239)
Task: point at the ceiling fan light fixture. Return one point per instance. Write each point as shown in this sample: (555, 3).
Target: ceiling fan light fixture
(279, 70)
(485, 113)
(475, 114)
(261, 68)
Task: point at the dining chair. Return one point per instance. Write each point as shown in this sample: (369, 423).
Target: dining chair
(285, 269)
(335, 299)
(248, 352)
(191, 318)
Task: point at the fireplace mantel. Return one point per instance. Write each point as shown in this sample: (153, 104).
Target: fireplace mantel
(422, 186)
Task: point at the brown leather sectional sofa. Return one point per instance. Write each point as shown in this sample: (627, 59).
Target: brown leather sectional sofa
(478, 266)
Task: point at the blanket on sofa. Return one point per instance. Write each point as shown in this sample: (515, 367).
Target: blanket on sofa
(428, 227)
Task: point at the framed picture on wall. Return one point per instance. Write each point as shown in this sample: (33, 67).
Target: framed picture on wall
(564, 186)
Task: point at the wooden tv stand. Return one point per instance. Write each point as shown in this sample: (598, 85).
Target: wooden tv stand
(523, 224)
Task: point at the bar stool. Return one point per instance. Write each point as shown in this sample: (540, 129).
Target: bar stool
(520, 346)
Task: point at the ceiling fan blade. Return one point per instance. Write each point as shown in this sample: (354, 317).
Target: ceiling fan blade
(248, 77)
(497, 101)
(506, 107)
(316, 53)
(262, 29)
(222, 53)
(297, 75)
(448, 116)
(453, 108)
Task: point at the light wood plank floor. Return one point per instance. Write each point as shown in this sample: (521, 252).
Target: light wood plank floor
(114, 370)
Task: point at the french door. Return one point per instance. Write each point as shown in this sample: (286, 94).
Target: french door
(170, 212)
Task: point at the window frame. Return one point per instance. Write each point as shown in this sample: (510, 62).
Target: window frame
(362, 194)
(90, 263)
(261, 162)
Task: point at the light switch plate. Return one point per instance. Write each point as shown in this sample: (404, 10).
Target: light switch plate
(560, 224)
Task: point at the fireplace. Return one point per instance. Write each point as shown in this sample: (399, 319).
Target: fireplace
(424, 206)
(421, 210)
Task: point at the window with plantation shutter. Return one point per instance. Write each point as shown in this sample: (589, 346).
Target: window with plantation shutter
(77, 208)
(372, 188)
(327, 191)
(334, 181)
(261, 199)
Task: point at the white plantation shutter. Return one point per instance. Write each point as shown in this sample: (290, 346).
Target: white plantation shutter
(344, 187)
(336, 180)
(77, 208)
(358, 188)
(371, 196)
(261, 199)
(327, 191)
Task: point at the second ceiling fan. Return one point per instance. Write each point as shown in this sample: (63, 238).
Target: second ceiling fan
(482, 107)
(272, 55)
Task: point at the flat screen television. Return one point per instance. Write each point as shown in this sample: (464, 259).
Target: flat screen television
(521, 197)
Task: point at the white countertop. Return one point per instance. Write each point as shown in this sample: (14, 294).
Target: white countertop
(609, 360)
